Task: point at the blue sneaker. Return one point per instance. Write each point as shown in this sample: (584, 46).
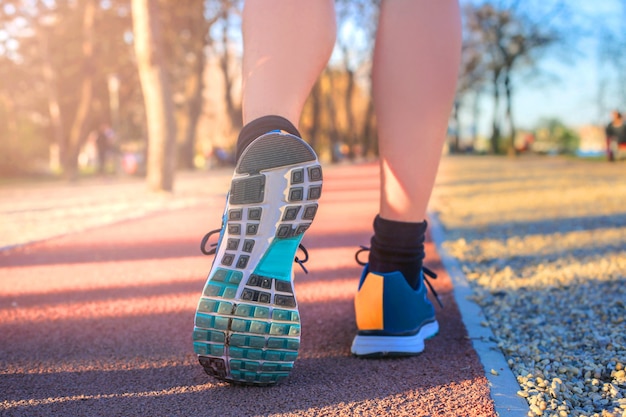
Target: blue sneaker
(247, 325)
(392, 318)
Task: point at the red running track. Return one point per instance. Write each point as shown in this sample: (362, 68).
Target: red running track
(99, 323)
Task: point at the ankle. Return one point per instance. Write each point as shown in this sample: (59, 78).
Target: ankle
(261, 126)
(398, 246)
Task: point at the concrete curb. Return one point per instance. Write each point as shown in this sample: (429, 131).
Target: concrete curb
(503, 386)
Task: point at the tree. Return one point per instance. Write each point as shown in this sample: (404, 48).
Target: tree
(510, 38)
(357, 31)
(56, 74)
(186, 39)
(55, 80)
(233, 107)
(339, 113)
(472, 78)
(612, 43)
(157, 95)
(36, 31)
(79, 127)
(557, 136)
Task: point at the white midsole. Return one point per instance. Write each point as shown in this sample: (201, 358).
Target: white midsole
(367, 345)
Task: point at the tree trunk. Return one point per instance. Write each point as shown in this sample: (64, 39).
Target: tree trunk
(157, 96)
(333, 132)
(194, 106)
(351, 133)
(194, 110)
(198, 27)
(78, 131)
(509, 113)
(234, 112)
(455, 145)
(369, 129)
(475, 118)
(58, 146)
(10, 128)
(495, 132)
(316, 114)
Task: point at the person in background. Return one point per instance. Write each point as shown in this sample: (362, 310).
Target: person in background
(105, 146)
(615, 134)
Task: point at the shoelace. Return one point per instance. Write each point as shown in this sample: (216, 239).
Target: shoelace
(427, 273)
(213, 249)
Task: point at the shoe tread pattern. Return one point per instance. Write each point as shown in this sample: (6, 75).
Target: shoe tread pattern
(247, 326)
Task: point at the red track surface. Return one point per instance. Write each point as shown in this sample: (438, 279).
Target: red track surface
(99, 323)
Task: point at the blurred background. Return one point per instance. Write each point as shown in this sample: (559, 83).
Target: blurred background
(150, 87)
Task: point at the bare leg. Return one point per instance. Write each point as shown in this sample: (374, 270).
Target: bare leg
(416, 63)
(287, 44)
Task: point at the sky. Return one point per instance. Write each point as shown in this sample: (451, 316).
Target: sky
(568, 84)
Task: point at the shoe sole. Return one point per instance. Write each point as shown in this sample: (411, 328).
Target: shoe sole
(393, 346)
(247, 324)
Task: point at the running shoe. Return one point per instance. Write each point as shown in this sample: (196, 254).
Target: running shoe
(247, 324)
(392, 318)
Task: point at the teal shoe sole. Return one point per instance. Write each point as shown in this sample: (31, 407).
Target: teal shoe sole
(247, 324)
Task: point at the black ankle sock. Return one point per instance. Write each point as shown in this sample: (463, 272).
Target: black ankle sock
(261, 126)
(398, 246)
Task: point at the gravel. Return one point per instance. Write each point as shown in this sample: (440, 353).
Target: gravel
(543, 243)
